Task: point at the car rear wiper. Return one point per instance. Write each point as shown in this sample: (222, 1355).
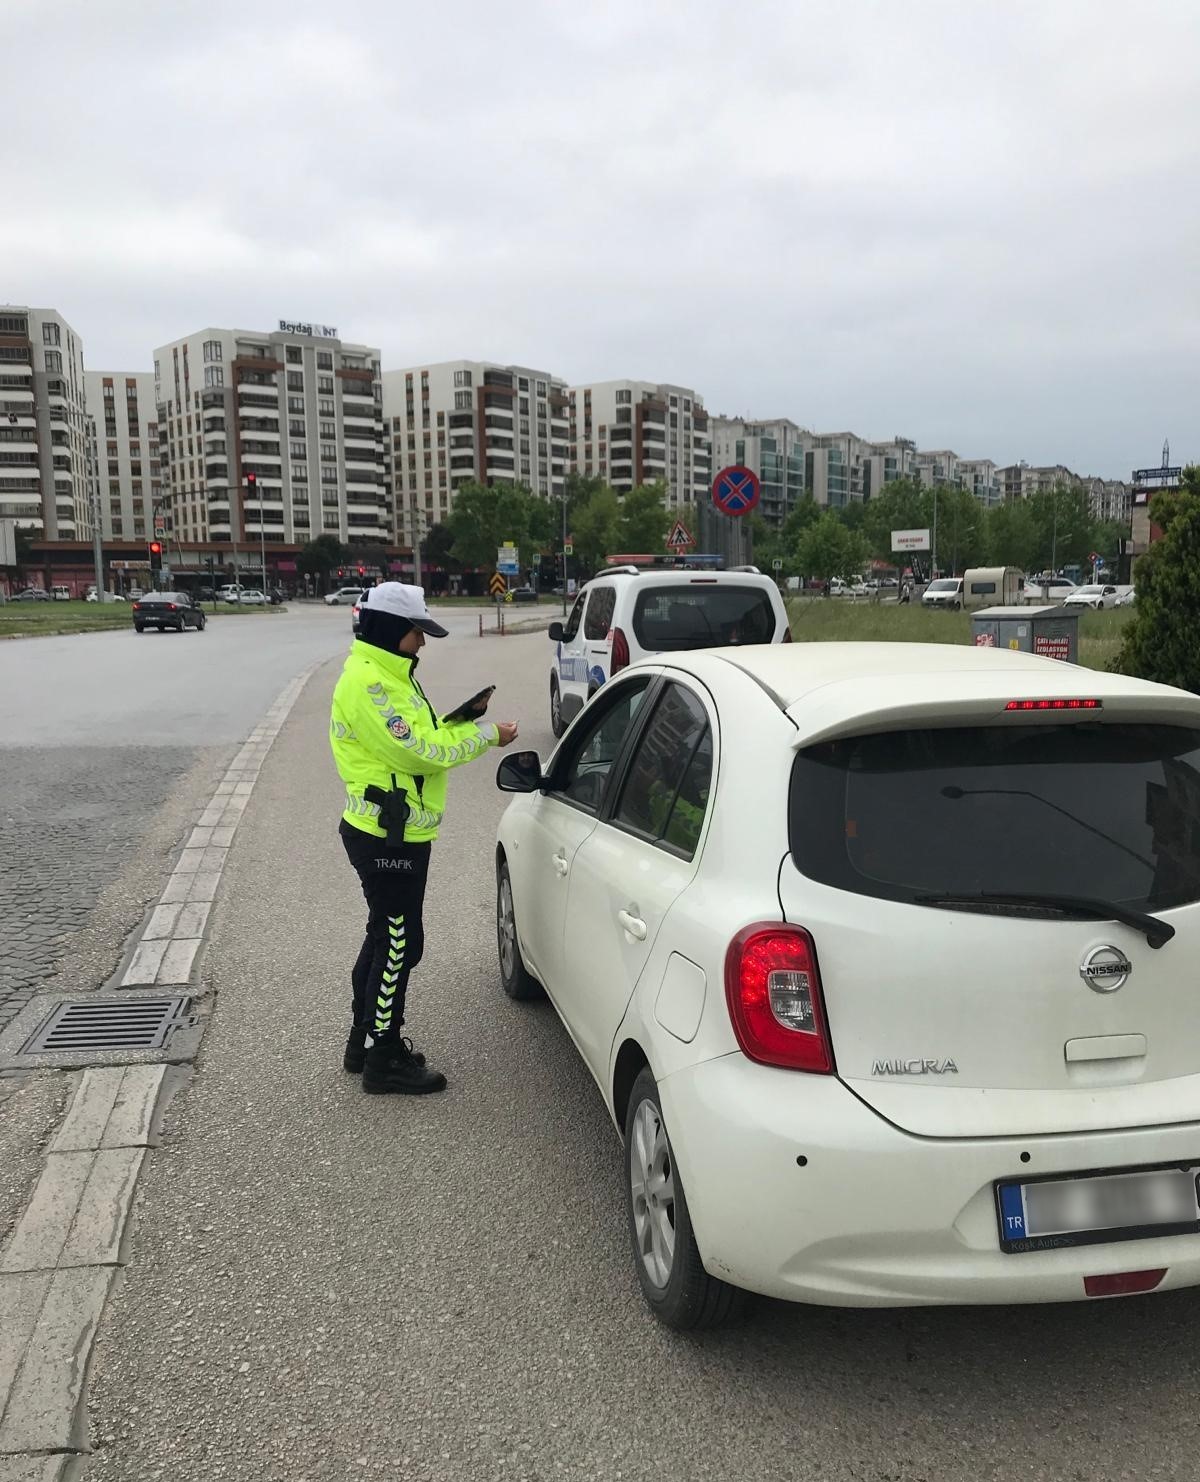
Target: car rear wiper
(1158, 933)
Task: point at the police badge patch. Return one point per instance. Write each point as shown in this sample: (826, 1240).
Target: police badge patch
(399, 728)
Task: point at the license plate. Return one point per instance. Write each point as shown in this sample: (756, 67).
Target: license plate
(1095, 1208)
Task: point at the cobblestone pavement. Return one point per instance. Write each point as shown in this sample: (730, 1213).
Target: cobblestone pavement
(69, 819)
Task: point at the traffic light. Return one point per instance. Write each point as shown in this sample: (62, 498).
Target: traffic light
(252, 482)
(362, 571)
(156, 555)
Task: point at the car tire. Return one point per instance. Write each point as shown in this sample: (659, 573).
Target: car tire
(680, 1293)
(515, 978)
(139, 627)
(200, 626)
(556, 716)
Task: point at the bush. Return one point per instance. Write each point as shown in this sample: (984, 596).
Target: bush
(1162, 641)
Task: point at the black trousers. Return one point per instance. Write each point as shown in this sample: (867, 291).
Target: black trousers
(393, 882)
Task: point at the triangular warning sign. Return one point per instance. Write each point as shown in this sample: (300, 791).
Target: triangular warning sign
(680, 538)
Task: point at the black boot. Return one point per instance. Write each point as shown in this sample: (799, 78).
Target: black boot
(356, 1051)
(393, 1070)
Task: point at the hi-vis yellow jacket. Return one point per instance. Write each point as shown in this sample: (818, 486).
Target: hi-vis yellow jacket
(383, 726)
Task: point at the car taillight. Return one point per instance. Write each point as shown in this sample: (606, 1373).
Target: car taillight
(171, 607)
(136, 606)
(1055, 705)
(620, 651)
(773, 991)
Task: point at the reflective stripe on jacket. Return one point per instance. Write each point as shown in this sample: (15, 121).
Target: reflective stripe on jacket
(382, 726)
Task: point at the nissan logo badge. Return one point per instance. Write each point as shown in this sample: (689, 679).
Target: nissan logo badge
(1105, 969)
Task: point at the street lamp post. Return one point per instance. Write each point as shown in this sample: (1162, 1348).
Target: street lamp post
(564, 549)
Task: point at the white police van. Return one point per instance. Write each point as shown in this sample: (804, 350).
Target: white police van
(628, 612)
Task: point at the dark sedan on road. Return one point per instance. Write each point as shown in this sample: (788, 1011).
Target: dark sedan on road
(524, 594)
(163, 610)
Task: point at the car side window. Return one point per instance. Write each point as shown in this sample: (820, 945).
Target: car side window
(583, 778)
(665, 796)
(572, 626)
(601, 606)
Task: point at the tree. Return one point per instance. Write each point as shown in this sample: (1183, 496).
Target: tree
(437, 547)
(486, 515)
(1063, 518)
(961, 529)
(1160, 641)
(904, 504)
(645, 520)
(828, 549)
(1107, 536)
(1012, 535)
(319, 557)
(596, 527)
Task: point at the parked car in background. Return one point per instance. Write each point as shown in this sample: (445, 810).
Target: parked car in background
(847, 586)
(344, 596)
(1127, 598)
(1046, 588)
(947, 591)
(524, 594)
(850, 1071)
(163, 610)
(32, 594)
(1091, 596)
(108, 596)
(252, 597)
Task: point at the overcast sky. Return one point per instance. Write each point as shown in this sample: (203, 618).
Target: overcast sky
(974, 224)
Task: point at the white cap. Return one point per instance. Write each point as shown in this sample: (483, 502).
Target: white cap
(406, 602)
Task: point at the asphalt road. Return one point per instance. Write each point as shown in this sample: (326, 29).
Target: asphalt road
(326, 1285)
(107, 743)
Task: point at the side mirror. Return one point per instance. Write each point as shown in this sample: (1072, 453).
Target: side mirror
(555, 631)
(520, 773)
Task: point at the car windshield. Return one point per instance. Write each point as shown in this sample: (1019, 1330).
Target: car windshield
(704, 614)
(159, 597)
(1088, 592)
(946, 585)
(1110, 811)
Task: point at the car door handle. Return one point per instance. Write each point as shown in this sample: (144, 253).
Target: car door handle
(560, 864)
(634, 925)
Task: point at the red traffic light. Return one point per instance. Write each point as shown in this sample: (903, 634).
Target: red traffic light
(156, 547)
(362, 571)
(252, 479)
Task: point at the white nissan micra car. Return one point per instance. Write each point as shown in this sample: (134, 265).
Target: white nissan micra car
(865, 1047)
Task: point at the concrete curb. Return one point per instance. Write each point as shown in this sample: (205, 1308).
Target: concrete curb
(58, 1266)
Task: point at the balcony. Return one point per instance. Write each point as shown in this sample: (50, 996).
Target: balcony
(358, 391)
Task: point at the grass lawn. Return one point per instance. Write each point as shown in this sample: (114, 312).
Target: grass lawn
(836, 620)
(41, 619)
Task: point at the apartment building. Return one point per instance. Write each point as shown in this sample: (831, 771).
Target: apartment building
(638, 432)
(774, 450)
(297, 407)
(1110, 500)
(43, 425)
(1020, 481)
(123, 417)
(470, 421)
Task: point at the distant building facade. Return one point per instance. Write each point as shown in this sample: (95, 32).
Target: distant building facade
(44, 484)
(298, 408)
(640, 432)
(122, 411)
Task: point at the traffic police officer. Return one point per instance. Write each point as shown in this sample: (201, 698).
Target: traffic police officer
(393, 753)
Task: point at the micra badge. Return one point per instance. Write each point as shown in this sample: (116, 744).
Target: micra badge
(914, 1067)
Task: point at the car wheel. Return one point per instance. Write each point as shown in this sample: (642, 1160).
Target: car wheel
(200, 626)
(514, 977)
(677, 1288)
(556, 719)
(139, 627)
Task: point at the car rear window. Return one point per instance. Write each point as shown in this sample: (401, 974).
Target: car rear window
(674, 618)
(1104, 810)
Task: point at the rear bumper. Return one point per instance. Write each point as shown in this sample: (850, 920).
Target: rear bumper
(876, 1217)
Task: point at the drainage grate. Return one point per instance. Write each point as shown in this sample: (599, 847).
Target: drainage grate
(124, 1024)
